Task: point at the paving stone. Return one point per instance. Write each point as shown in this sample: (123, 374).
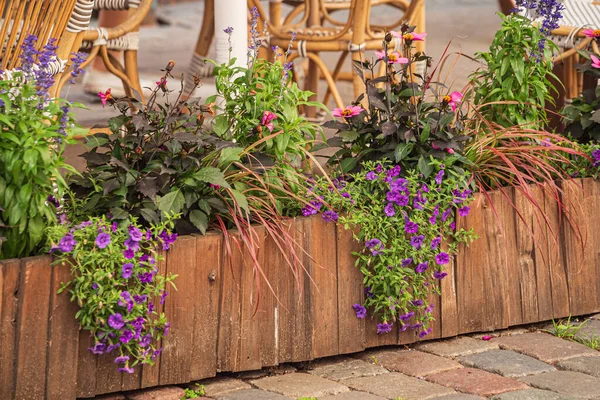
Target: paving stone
(586, 365)
(222, 385)
(461, 346)
(395, 385)
(589, 330)
(503, 332)
(597, 316)
(460, 396)
(340, 368)
(530, 394)
(300, 385)
(253, 394)
(410, 362)
(353, 396)
(544, 347)
(572, 384)
(506, 363)
(476, 381)
(161, 393)
(112, 396)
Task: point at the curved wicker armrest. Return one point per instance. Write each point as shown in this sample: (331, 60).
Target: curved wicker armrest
(132, 23)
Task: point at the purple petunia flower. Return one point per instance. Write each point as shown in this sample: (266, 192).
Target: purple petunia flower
(166, 330)
(442, 258)
(406, 316)
(330, 216)
(422, 334)
(135, 233)
(98, 348)
(411, 227)
(126, 336)
(145, 341)
(407, 261)
(453, 226)
(121, 359)
(129, 253)
(115, 321)
(422, 267)
(102, 240)
(464, 211)
(435, 242)
(417, 303)
(127, 270)
(145, 277)
(439, 176)
(360, 311)
(150, 308)
(439, 275)
(163, 296)
(112, 347)
(94, 286)
(429, 308)
(114, 227)
(67, 243)
(132, 244)
(417, 241)
(389, 210)
(54, 201)
(368, 292)
(140, 298)
(384, 327)
(446, 214)
(127, 369)
(371, 176)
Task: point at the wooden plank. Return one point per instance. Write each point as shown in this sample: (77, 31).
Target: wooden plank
(209, 253)
(9, 306)
(325, 303)
(583, 265)
(108, 378)
(268, 312)
(61, 379)
(151, 373)
(230, 307)
(32, 323)
(86, 366)
(248, 356)
(449, 301)
(351, 335)
(179, 309)
(132, 381)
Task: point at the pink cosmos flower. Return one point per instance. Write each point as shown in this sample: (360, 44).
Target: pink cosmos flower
(393, 58)
(453, 99)
(412, 36)
(594, 33)
(595, 61)
(104, 97)
(349, 111)
(267, 119)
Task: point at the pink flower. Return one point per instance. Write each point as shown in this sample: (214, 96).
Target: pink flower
(106, 96)
(594, 33)
(267, 119)
(450, 151)
(393, 58)
(487, 337)
(453, 99)
(411, 36)
(595, 61)
(347, 112)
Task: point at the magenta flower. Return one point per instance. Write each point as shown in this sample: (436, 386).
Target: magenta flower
(115, 321)
(593, 33)
(267, 120)
(360, 311)
(595, 61)
(439, 176)
(417, 241)
(389, 210)
(105, 96)
(452, 100)
(411, 227)
(348, 112)
(439, 275)
(486, 337)
(393, 58)
(446, 214)
(442, 258)
(435, 242)
(410, 37)
(384, 327)
(371, 176)
(128, 253)
(422, 267)
(464, 211)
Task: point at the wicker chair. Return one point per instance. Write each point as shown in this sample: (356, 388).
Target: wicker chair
(124, 37)
(64, 20)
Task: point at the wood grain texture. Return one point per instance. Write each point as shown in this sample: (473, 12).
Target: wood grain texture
(268, 310)
(9, 307)
(179, 307)
(86, 366)
(448, 301)
(32, 322)
(63, 345)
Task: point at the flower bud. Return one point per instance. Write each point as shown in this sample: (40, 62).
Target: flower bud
(388, 37)
(170, 66)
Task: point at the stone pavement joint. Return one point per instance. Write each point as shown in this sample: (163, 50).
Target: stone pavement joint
(587, 365)
(544, 347)
(410, 362)
(460, 396)
(254, 394)
(529, 394)
(300, 385)
(340, 368)
(353, 396)
(461, 346)
(394, 385)
(571, 384)
(476, 381)
(160, 393)
(222, 385)
(506, 363)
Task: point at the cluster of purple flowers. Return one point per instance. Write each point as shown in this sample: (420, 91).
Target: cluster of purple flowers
(549, 11)
(596, 157)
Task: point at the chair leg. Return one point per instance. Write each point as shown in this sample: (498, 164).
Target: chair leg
(311, 83)
(131, 70)
(322, 68)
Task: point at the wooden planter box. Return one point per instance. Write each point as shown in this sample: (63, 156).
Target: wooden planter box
(503, 279)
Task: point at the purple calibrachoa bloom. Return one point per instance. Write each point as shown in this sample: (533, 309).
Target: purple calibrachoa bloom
(407, 261)
(145, 277)
(121, 359)
(129, 253)
(371, 176)
(360, 311)
(439, 275)
(115, 321)
(127, 270)
(429, 308)
(98, 348)
(166, 330)
(163, 296)
(464, 211)
(442, 258)
(67, 243)
(439, 176)
(368, 292)
(422, 267)
(389, 210)
(446, 214)
(384, 327)
(417, 303)
(132, 244)
(145, 341)
(126, 369)
(435, 242)
(411, 227)
(134, 233)
(139, 299)
(126, 336)
(406, 316)
(417, 241)
(375, 246)
(330, 216)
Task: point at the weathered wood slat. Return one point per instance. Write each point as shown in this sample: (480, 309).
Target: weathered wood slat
(448, 301)
(32, 322)
(9, 307)
(86, 366)
(180, 310)
(108, 378)
(209, 252)
(268, 311)
(63, 345)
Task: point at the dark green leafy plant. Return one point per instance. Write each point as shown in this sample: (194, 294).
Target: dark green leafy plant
(400, 121)
(514, 83)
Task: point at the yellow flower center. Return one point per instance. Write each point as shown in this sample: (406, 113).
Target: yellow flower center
(347, 112)
(447, 99)
(408, 36)
(597, 32)
(392, 57)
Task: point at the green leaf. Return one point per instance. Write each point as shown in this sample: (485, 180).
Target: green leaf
(348, 164)
(118, 213)
(171, 202)
(240, 199)
(211, 175)
(149, 215)
(229, 155)
(403, 150)
(424, 166)
(199, 220)
(348, 136)
(221, 125)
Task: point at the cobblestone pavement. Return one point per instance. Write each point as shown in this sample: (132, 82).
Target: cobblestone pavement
(515, 364)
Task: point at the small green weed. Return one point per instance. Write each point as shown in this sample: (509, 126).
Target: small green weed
(307, 398)
(566, 329)
(591, 342)
(199, 391)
